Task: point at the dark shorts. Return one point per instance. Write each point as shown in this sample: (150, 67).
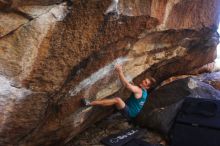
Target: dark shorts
(125, 112)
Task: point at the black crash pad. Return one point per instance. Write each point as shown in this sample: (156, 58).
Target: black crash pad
(139, 142)
(200, 112)
(121, 138)
(197, 123)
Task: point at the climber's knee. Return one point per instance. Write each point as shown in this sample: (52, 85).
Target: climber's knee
(120, 104)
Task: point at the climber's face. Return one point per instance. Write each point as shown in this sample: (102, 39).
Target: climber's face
(146, 83)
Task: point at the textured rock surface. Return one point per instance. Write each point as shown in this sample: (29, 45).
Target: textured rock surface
(53, 53)
(212, 79)
(17, 3)
(174, 14)
(164, 102)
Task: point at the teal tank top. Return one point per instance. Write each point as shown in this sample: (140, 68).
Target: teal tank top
(135, 105)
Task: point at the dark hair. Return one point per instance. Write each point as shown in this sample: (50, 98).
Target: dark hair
(152, 81)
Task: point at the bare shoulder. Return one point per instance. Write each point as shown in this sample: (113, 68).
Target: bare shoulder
(138, 93)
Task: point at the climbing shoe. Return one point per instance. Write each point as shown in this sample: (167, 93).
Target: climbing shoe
(85, 101)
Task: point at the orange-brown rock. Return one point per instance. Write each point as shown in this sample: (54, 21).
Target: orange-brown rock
(17, 3)
(174, 14)
(54, 53)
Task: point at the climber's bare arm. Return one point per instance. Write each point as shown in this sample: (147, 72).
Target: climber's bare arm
(135, 89)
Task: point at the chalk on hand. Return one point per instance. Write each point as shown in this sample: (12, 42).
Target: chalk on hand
(113, 8)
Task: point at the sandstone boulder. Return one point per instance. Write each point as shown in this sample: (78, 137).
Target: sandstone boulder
(163, 104)
(52, 54)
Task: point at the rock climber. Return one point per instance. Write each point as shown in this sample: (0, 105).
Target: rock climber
(134, 103)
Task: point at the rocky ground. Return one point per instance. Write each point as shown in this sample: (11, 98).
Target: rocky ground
(111, 125)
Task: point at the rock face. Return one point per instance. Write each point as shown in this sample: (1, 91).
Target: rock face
(164, 102)
(55, 52)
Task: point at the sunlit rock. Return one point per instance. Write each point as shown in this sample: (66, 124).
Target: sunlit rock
(55, 52)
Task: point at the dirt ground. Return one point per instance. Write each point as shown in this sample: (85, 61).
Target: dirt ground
(111, 125)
